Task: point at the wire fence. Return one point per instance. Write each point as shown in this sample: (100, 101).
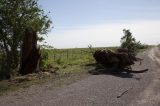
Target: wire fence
(69, 55)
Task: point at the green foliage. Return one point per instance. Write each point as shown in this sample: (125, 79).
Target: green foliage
(129, 42)
(45, 62)
(15, 17)
(139, 45)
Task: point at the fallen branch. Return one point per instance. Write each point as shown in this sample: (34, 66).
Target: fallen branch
(119, 96)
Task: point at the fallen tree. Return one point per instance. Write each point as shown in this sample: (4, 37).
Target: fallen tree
(121, 59)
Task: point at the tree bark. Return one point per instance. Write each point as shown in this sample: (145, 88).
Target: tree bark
(30, 56)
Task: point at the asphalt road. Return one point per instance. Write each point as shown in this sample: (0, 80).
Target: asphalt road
(101, 90)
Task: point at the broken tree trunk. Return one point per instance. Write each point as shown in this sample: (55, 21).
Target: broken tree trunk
(30, 53)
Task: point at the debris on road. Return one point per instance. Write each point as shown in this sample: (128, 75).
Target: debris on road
(119, 96)
(120, 59)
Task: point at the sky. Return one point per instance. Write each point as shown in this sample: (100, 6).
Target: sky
(78, 23)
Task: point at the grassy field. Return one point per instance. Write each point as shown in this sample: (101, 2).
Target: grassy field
(70, 60)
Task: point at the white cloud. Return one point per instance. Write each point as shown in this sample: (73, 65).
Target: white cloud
(104, 34)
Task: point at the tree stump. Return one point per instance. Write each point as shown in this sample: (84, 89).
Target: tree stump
(30, 56)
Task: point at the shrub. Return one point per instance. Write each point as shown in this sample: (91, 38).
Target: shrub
(45, 62)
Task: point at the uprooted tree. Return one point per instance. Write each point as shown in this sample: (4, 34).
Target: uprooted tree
(123, 57)
(15, 17)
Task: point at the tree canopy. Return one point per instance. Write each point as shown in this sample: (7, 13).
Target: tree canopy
(15, 17)
(129, 42)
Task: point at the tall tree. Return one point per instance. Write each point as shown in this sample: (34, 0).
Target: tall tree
(128, 41)
(15, 17)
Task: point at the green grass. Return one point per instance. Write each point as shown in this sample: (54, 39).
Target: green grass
(73, 56)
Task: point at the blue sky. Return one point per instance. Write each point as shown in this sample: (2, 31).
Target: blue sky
(78, 23)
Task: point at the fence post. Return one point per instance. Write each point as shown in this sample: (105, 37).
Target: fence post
(67, 55)
(54, 57)
(81, 52)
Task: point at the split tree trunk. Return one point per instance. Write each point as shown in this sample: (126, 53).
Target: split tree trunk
(30, 53)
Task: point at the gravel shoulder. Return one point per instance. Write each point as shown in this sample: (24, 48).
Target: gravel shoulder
(99, 90)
